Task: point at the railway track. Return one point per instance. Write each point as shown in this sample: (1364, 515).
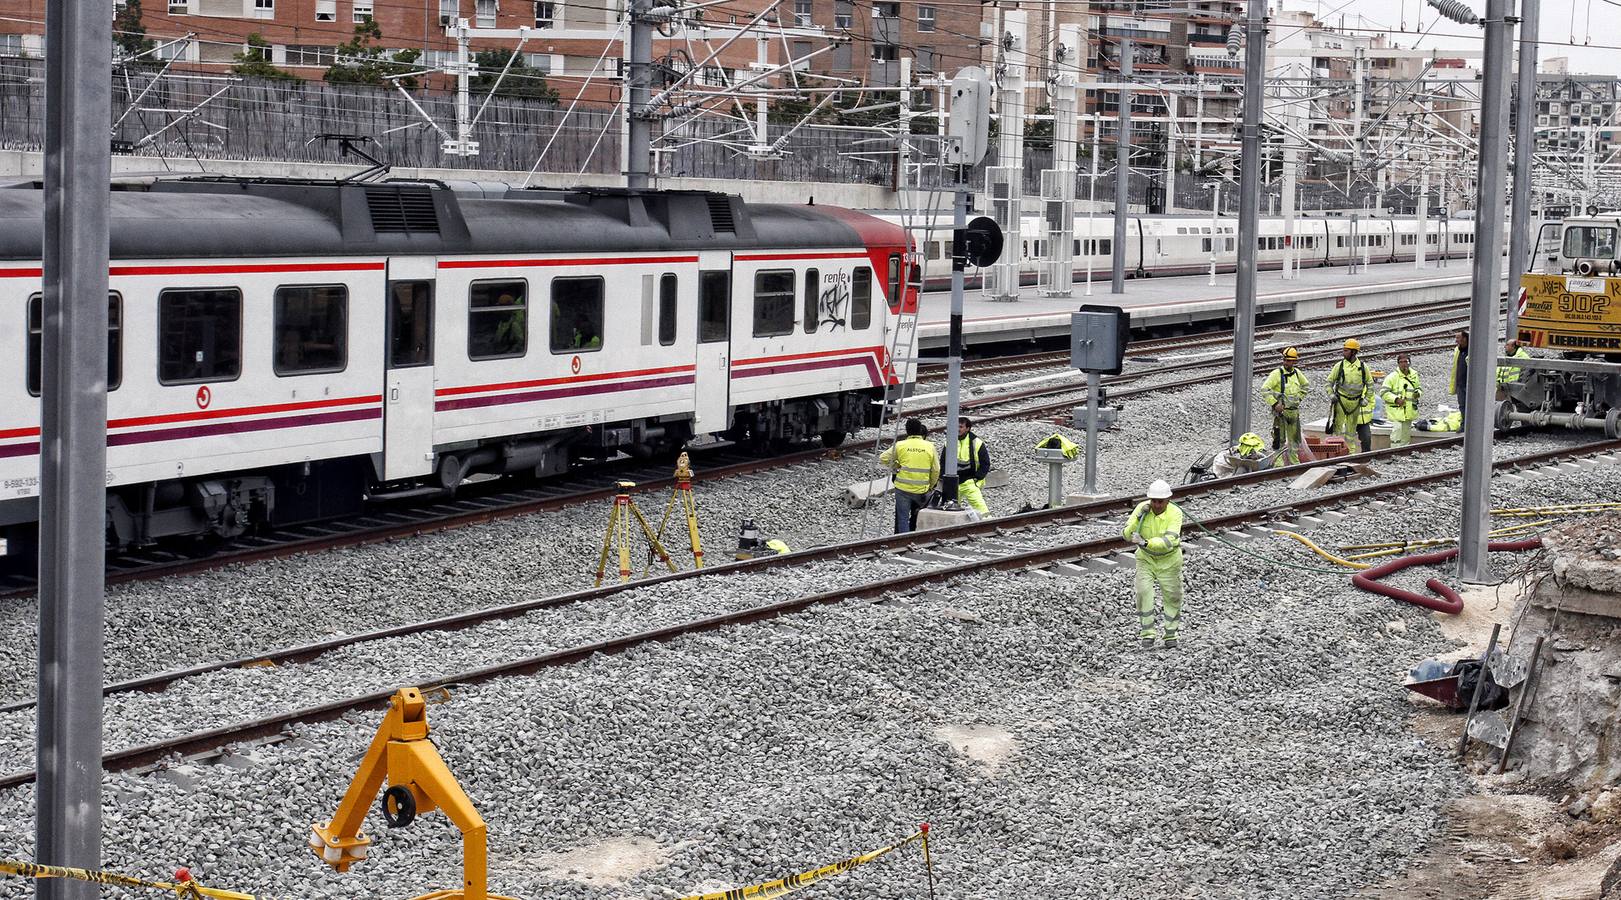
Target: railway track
(496, 500)
(934, 370)
(972, 548)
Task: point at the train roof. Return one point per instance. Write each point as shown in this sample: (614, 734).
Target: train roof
(207, 218)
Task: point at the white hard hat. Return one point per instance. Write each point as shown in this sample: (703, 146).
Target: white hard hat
(1159, 490)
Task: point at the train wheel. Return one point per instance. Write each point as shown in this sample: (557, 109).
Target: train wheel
(831, 439)
(1500, 419)
(1612, 424)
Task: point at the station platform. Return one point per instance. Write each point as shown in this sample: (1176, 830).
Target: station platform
(1188, 299)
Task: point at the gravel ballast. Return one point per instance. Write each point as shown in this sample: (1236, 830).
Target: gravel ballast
(1267, 757)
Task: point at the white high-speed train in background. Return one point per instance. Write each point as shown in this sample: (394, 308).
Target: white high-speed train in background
(1183, 244)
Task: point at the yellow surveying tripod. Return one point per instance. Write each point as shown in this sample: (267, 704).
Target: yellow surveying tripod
(618, 536)
(683, 493)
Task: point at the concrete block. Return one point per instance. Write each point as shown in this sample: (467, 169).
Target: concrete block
(859, 494)
(1102, 564)
(1067, 569)
(997, 478)
(1314, 477)
(1332, 516)
(944, 518)
(1078, 499)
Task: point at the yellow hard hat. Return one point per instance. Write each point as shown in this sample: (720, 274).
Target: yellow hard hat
(1291, 354)
(1353, 344)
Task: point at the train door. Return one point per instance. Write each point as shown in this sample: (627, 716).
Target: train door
(712, 379)
(408, 381)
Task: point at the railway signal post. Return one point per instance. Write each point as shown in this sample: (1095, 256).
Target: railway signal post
(73, 441)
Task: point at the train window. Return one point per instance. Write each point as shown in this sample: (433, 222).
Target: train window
(410, 324)
(714, 306)
(894, 282)
(115, 341)
(1106, 247)
(1077, 248)
(1590, 242)
(497, 319)
(860, 298)
(311, 329)
(774, 303)
(199, 335)
(813, 297)
(933, 248)
(667, 309)
(577, 314)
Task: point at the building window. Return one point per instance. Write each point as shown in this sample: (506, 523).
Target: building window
(545, 14)
(885, 52)
(714, 306)
(540, 62)
(497, 319)
(803, 12)
(179, 7)
(310, 55)
(925, 59)
(115, 341)
(326, 10)
(576, 314)
(448, 11)
(925, 18)
(362, 11)
(843, 14)
(199, 335)
(843, 57)
(264, 9)
(883, 10)
(484, 13)
(774, 303)
(861, 298)
(11, 45)
(311, 329)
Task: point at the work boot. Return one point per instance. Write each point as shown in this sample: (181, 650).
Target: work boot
(1148, 643)
(1170, 642)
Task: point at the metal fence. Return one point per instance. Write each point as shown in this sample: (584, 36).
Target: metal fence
(208, 116)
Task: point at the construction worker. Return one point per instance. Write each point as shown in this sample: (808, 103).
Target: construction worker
(916, 468)
(973, 467)
(1459, 380)
(1350, 403)
(1507, 375)
(1401, 391)
(1284, 389)
(1155, 527)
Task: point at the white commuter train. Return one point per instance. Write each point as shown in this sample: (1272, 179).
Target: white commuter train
(282, 351)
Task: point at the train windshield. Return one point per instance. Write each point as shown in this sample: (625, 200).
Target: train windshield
(1590, 242)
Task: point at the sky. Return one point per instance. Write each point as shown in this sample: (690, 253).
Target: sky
(1588, 24)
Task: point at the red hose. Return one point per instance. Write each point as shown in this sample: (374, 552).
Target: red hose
(1449, 602)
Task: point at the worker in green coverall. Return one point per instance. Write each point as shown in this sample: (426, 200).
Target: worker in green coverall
(1350, 399)
(1155, 527)
(1402, 390)
(1284, 389)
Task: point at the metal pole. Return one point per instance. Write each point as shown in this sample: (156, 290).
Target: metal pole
(1473, 564)
(1249, 191)
(638, 127)
(959, 221)
(1215, 226)
(73, 442)
(1519, 234)
(1094, 387)
(1423, 213)
(1091, 244)
(1480, 684)
(1122, 171)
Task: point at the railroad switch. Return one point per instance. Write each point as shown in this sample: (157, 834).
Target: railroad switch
(419, 782)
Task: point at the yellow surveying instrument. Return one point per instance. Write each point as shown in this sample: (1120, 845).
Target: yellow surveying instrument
(682, 493)
(618, 536)
(419, 782)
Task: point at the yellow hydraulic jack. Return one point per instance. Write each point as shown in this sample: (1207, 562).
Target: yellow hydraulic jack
(419, 782)
(618, 536)
(682, 493)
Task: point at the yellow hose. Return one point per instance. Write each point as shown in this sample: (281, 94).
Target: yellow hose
(1321, 552)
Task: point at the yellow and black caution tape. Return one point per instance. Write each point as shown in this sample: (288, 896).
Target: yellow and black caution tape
(185, 887)
(782, 887)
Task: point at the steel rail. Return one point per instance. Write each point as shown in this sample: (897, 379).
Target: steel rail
(216, 739)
